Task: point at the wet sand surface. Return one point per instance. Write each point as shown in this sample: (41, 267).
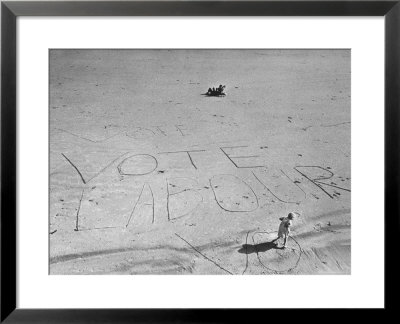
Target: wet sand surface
(149, 176)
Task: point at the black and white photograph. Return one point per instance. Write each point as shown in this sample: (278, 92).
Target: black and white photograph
(199, 161)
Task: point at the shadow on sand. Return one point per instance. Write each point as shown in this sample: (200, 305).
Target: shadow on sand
(261, 247)
(213, 95)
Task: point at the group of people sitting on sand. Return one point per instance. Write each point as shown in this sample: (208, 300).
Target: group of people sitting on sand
(216, 91)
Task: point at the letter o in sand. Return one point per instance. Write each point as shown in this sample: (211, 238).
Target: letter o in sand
(273, 257)
(233, 194)
(137, 165)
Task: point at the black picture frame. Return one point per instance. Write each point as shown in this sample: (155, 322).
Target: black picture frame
(11, 10)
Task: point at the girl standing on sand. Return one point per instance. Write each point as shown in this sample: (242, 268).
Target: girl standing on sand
(284, 228)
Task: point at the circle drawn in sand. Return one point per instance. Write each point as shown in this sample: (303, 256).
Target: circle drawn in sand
(273, 258)
(138, 164)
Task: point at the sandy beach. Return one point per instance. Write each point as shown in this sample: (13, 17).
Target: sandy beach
(150, 176)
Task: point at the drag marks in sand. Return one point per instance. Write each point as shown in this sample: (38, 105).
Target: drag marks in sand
(113, 201)
(232, 194)
(102, 136)
(270, 255)
(113, 206)
(273, 257)
(203, 255)
(137, 165)
(280, 186)
(183, 197)
(143, 218)
(91, 165)
(315, 174)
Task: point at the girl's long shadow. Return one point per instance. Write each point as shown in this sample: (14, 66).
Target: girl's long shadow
(261, 247)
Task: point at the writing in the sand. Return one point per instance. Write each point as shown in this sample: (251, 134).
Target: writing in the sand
(230, 191)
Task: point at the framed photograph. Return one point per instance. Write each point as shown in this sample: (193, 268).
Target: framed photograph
(171, 161)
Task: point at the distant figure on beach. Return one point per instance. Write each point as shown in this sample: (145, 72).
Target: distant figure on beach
(284, 228)
(216, 91)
